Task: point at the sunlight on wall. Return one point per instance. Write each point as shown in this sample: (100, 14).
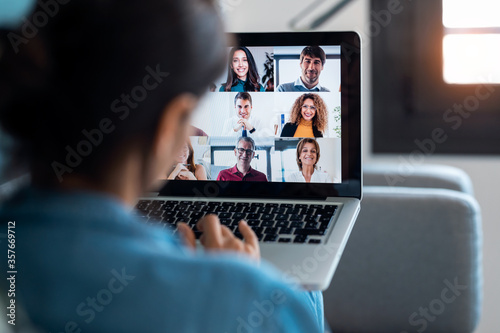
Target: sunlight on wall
(471, 58)
(471, 14)
(471, 44)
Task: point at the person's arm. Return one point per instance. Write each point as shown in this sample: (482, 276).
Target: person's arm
(335, 179)
(329, 179)
(219, 238)
(314, 301)
(321, 176)
(263, 127)
(239, 125)
(287, 131)
(176, 171)
(185, 174)
(259, 129)
(296, 310)
(247, 124)
(200, 172)
(317, 133)
(291, 178)
(227, 129)
(325, 133)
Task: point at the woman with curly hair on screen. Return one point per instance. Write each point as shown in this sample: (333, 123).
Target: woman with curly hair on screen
(308, 118)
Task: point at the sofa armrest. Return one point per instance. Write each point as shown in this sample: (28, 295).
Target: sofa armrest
(412, 262)
(427, 176)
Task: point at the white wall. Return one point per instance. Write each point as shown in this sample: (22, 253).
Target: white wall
(484, 171)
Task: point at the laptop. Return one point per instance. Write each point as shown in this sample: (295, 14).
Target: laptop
(276, 141)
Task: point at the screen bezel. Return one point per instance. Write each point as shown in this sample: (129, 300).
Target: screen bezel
(350, 128)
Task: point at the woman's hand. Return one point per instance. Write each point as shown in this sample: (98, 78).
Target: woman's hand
(176, 171)
(185, 174)
(217, 237)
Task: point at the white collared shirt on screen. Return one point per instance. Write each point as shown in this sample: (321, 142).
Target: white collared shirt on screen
(317, 177)
(230, 124)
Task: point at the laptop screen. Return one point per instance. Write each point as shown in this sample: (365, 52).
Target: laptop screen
(282, 120)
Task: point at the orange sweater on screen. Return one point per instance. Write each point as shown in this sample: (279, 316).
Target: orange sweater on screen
(304, 130)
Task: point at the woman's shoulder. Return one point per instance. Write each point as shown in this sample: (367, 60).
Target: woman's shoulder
(235, 88)
(290, 126)
(294, 177)
(238, 87)
(199, 172)
(317, 133)
(322, 176)
(288, 130)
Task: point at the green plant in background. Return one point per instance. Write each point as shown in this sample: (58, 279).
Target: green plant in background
(268, 69)
(337, 117)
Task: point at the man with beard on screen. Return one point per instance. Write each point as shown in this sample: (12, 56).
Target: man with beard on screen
(312, 62)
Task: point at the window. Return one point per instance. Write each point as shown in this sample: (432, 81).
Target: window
(435, 78)
(471, 43)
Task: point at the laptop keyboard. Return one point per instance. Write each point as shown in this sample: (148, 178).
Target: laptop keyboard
(271, 222)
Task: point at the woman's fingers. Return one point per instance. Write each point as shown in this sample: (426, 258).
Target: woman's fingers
(211, 228)
(251, 240)
(248, 234)
(219, 237)
(187, 235)
(185, 174)
(226, 232)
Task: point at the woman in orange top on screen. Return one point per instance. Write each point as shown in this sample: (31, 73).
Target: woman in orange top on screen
(186, 169)
(308, 119)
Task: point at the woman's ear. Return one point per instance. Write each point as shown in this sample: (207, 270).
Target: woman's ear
(172, 130)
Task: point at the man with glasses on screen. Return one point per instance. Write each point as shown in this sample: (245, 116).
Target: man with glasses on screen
(312, 60)
(242, 171)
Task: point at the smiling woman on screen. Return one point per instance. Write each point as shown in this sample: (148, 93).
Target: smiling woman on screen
(185, 168)
(242, 75)
(308, 118)
(307, 158)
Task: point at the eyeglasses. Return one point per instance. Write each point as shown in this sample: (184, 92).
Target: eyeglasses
(241, 151)
(310, 107)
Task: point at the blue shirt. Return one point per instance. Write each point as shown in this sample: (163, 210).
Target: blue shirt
(298, 85)
(239, 87)
(83, 262)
